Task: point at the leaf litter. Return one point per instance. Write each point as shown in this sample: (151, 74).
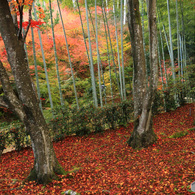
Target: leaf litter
(104, 163)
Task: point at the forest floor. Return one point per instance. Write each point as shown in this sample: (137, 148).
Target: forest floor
(104, 163)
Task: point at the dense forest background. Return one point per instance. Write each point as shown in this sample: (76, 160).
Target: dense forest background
(108, 52)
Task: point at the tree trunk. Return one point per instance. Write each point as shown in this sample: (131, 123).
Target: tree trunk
(143, 134)
(46, 165)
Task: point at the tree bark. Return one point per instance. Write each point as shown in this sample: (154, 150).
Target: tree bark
(46, 165)
(143, 92)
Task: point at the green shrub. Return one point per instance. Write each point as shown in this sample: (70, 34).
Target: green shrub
(60, 124)
(97, 119)
(6, 113)
(80, 121)
(19, 137)
(111, 116)
(14, 135)
(127, 111)
(169, 99)
(158, 103)
(3, 137)
(88, 119)
(67, 121)
(190, 75)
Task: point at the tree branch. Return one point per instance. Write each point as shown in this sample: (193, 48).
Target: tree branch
(21, 20)
(2, 103)
(14, 15)
(29, 22)
(10, 99)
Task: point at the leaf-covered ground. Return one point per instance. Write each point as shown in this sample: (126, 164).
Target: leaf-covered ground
(105, 164)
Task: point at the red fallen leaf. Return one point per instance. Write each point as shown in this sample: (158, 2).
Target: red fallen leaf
(115, 167)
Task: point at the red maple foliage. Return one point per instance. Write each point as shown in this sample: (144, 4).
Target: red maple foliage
(105, 164)
(34, 24)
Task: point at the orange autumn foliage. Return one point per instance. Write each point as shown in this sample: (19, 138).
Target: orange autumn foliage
(75, 42)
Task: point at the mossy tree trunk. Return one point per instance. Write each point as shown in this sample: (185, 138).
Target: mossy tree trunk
(26, 106)
(143, 92)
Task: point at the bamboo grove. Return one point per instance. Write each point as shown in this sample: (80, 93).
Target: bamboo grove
(107, 64)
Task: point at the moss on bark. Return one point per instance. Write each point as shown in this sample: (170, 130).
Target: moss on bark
(46, 178)
(59, 170)
(144, 140)
(32, 176)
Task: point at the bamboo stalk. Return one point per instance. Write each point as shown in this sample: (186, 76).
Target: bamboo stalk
(72, 73)
(55, 53)
(116, 75)
(91, 59)
(36, 71)
(98, 56)
(120, 76)
(123, 69)
(103, 12)
(44, 63)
